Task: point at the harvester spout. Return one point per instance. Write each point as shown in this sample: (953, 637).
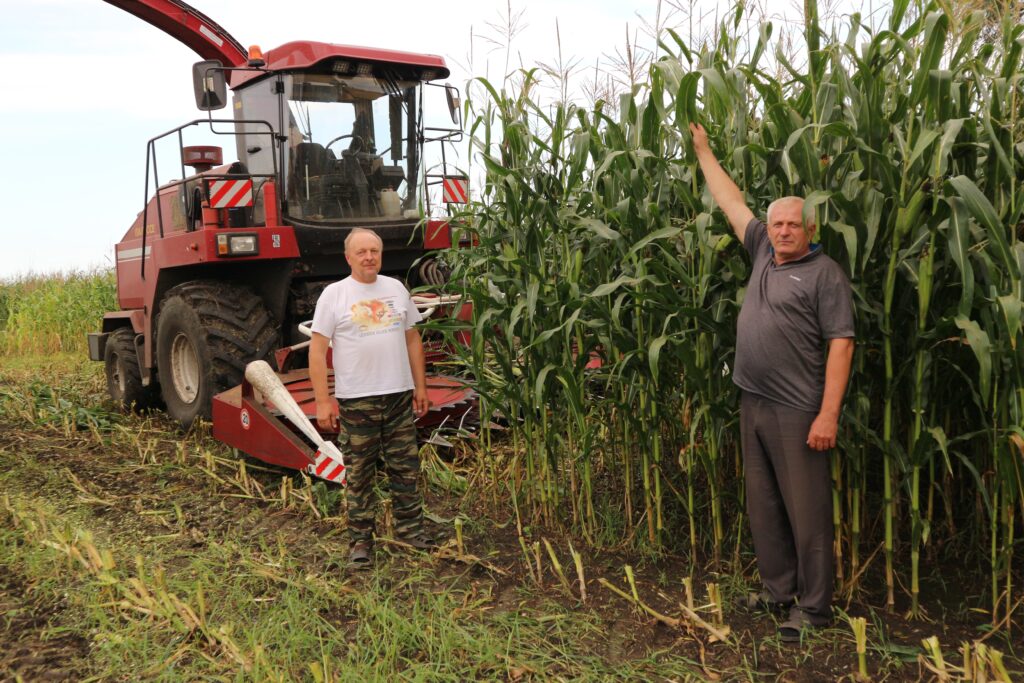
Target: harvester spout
(189, 26)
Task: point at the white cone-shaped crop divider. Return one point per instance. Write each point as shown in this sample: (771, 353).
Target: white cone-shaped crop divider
(263, 378)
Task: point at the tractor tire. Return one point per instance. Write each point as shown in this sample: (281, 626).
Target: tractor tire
(124, 377)
(206, 333)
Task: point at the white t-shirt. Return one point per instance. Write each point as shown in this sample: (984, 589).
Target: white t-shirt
(366, 324)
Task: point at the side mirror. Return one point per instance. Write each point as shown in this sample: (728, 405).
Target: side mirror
(454, 102)
(209, 85)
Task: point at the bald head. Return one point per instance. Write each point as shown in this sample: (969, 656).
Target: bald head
(789, 235)
(791, 202)
(363, 251)
(353, 236)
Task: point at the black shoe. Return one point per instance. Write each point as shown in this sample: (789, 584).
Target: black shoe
(360, 556)
(796, 629)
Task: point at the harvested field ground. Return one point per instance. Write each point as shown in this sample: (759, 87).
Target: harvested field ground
(129, 550)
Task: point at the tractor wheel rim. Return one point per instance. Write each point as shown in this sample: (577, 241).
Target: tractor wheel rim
(184, 368)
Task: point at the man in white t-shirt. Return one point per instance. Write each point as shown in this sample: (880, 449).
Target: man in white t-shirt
(379, 383)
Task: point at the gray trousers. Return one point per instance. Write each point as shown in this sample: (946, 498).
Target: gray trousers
(789, 503)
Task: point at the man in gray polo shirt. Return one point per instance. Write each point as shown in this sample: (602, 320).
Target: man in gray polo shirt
(798, 303)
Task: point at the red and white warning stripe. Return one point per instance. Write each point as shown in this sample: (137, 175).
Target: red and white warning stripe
(328, 467)
(227, 194)
(456, 190)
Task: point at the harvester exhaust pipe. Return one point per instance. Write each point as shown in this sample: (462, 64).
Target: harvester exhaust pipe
(330, 464)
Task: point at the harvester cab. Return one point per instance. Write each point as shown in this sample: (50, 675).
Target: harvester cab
(349, 135)
(222, 267)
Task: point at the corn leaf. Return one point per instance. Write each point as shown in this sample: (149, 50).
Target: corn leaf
(980, 345)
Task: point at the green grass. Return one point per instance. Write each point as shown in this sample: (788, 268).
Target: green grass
(269, 615)
(213, 575)
(595, 235)
(265, 580)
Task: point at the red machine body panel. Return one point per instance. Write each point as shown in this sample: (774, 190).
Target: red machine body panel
(136, 319)
(243, 421)
(180, 249)
(437, 234)
(189, 248)
(303, 54)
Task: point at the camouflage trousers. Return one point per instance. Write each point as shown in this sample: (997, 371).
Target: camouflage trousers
(375, 431)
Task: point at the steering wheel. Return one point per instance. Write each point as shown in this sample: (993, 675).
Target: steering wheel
(355, 138)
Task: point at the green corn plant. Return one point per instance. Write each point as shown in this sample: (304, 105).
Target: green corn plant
(606, 283)
(42, 314)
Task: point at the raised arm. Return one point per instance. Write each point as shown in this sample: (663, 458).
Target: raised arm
(727, 195)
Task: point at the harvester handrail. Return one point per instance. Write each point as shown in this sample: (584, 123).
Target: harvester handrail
(306, 328)
(448, 134)
(151, 157)
(208, 175)
(426, 303)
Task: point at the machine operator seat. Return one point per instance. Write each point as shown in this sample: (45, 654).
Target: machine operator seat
(311, 158)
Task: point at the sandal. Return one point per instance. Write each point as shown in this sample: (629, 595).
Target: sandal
(359, 556)
(796, 630)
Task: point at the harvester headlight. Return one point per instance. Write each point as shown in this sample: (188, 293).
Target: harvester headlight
(341, 66)
(364, 69)
(237, 245)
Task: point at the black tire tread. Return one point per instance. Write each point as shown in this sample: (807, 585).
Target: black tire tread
(237, 326)
(136, 397)
(235, 315)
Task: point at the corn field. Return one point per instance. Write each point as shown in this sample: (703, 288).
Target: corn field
(52, 313)
(597, 239)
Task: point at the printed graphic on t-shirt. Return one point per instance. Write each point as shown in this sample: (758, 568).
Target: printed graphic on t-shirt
(374, 316)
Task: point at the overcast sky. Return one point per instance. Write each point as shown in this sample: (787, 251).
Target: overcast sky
(85, 85)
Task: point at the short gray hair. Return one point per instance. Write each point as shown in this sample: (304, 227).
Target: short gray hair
(792, 199)
(357, 231)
